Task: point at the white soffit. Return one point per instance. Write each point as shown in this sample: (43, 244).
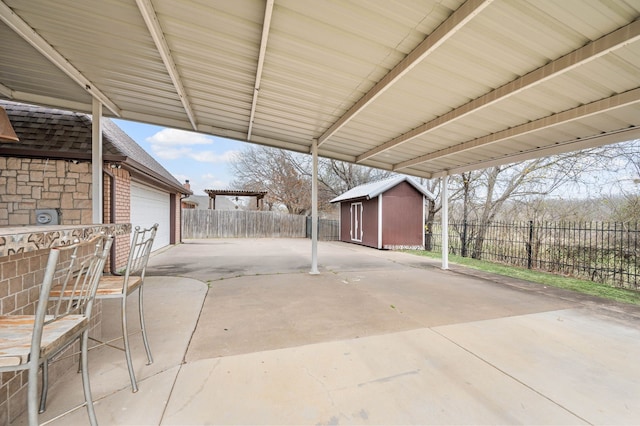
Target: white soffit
(424, 87)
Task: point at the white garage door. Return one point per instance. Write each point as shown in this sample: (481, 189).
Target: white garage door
(149, 206)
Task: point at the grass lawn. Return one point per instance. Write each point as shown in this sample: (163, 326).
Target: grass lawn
(546, 278)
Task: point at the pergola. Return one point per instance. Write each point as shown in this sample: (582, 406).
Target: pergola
(427, 88)
(259, 195)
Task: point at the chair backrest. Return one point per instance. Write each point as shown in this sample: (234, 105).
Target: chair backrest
(140, 249)
(77, 268)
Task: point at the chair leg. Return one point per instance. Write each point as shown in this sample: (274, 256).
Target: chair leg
(32, 393)
(45, 386)
(142, 326)
(127, 349)
(85, 378)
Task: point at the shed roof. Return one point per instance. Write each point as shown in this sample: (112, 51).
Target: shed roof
(422, 87)
(54, 133)
(373, 189)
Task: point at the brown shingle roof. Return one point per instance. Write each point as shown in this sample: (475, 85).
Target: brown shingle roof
(47, 132)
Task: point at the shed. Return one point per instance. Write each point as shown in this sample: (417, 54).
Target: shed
(388, 214)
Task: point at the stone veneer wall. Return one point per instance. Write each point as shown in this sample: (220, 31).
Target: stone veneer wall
(35, 183)
(30, 184)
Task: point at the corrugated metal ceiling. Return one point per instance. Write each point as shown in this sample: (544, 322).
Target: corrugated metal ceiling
(423, 87)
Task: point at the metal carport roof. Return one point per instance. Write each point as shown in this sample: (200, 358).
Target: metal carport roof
(423, 87)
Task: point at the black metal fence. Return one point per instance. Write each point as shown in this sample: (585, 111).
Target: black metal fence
(328, 229)
(604, 252)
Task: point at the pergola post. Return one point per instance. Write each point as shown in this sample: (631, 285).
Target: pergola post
(314, 209)
(445, 222)
(96, 162)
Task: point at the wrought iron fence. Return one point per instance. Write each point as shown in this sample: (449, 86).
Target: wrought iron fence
(604, 252)
(328, 229)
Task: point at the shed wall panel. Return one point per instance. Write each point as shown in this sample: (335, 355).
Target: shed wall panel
(402, 221)
(370, 223)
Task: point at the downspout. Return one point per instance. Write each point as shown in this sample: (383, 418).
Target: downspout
(181, 218)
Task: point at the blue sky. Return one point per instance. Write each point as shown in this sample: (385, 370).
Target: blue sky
(203, 160)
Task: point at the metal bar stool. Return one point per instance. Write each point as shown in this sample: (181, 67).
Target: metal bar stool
(26, 341)
(121, 286)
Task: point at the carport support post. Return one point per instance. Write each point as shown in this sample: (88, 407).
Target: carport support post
(314, 209)
(445, 222)
(96, 161)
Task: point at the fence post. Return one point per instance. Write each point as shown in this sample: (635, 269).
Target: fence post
(530, 246)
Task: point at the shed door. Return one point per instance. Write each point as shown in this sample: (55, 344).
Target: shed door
(149, 206)
(356, 222)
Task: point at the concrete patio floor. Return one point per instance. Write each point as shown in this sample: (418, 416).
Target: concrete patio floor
(242, 334)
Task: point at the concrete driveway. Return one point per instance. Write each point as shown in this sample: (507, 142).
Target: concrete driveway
(247, 336)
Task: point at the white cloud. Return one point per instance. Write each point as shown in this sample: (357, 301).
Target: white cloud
(175, 137)
(172, 144)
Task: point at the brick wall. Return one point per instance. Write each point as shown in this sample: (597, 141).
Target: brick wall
(21, 277)
(34, 183)
(122, 181)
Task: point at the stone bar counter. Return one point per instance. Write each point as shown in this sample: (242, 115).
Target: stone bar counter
(23, 239)
(24, 252)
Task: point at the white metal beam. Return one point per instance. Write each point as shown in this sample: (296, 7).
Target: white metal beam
(606, 104)
(612, 41)
(314, 209)
(623, 135)
(446, 30)
(32, 98)
(263, 50)
(96, 162)
(5, 91)
(20, 27)
(153, 25)
(444, 214)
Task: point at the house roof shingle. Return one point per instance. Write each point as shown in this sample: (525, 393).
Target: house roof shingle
(48, 132)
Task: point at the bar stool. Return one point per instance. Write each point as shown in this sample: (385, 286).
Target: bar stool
(26, 341)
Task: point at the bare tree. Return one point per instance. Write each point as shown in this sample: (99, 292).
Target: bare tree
(484, 193)
(339, 176)
(276, 171)
(434, 205)
(286, 176)
(623, 186)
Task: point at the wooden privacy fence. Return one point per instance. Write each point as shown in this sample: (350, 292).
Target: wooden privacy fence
(240, 224)
(250, 224)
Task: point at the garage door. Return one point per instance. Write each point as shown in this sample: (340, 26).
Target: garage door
(149, 206)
